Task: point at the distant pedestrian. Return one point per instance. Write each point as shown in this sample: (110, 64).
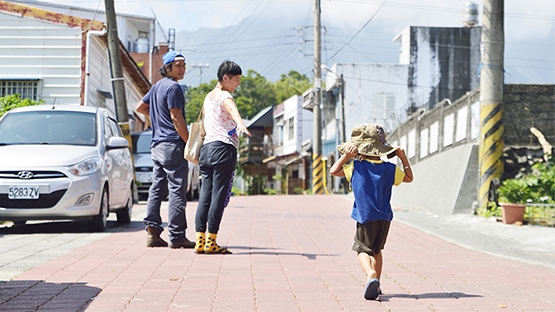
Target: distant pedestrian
(165, 104)
(371, 180)
(218, 156)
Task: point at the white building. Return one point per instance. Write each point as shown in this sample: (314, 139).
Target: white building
(444, 63)
(136, 33)
(374, 93)
(292, 134)
(61, 59)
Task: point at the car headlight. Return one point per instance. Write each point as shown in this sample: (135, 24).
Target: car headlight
(86, 167)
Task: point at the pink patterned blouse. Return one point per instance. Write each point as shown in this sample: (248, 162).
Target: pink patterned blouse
(218, 123)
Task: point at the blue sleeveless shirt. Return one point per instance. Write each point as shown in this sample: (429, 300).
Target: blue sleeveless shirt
(372, 183)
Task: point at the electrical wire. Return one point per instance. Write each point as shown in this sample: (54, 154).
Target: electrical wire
(97, 11)
(358, 32)
(229, 28)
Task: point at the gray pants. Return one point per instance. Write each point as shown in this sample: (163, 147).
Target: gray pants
(169, 178)
(217, 163)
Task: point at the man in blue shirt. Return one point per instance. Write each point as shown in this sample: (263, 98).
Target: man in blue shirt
(165, 104)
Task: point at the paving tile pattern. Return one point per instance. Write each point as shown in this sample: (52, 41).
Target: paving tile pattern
(290, 253)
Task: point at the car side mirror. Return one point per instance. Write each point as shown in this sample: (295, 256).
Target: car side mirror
(116, 143)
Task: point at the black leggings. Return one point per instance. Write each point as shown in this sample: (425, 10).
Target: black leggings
(217, 163)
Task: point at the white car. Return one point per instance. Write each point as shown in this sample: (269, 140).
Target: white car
(143, 167)
(64, 162)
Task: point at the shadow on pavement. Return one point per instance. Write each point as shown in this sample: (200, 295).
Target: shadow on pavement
(274, 252)
(53, 227)
(442, 295)
(134, 226)
(30, 295)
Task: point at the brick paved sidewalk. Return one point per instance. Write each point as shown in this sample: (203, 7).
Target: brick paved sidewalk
(291, 253)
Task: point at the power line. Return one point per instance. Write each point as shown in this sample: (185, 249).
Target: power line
(358, 32)
(280, 60)
(243, 41)
(276, 59)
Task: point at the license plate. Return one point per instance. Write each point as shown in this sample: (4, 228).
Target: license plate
(144, 177)
(23, 192)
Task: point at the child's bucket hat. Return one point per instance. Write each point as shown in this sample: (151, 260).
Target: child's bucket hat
(369, 140)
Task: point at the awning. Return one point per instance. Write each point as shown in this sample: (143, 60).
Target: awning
(280, 158)
(286, 160)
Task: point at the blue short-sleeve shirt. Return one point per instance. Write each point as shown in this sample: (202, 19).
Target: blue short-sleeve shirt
(163, 95)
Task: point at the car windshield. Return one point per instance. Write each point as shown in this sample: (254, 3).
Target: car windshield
(48, 127)
(141, 143)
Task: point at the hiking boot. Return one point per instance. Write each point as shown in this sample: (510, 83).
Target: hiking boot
(185, 243)
(153, 238)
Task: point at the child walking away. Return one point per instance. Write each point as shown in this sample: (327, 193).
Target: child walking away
(371, 180)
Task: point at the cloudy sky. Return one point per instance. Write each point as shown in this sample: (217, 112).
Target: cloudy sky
(354, 29)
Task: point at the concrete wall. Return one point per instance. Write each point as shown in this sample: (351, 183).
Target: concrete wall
(444, 185)
(528, 106)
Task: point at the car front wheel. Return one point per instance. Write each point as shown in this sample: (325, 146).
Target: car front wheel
(99, 222)
(124, 214)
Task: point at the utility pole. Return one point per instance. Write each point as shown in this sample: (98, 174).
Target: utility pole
(317, 164)
(118, 83)
(340, 126)
(171, 39)
(491, 97)
(342, 108)
(200, 67)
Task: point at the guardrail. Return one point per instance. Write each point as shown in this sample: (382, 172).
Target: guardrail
(447, 125)
(540, 214)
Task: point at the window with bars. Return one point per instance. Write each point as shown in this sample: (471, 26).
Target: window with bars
(291, 128)
(27, 89)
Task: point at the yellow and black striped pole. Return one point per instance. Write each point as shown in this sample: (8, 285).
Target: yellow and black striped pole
(317, 174)
(491, 147)
(491, 98)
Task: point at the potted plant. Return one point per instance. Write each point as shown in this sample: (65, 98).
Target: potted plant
(513, 195)
(536, 188)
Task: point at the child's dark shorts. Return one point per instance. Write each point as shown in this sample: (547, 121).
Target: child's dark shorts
(370, 237)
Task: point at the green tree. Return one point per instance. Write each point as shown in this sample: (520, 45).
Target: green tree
(254, 94)
(291, 84)
(194, 100)
(10, 102)
(258, 90)
(245, 106)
